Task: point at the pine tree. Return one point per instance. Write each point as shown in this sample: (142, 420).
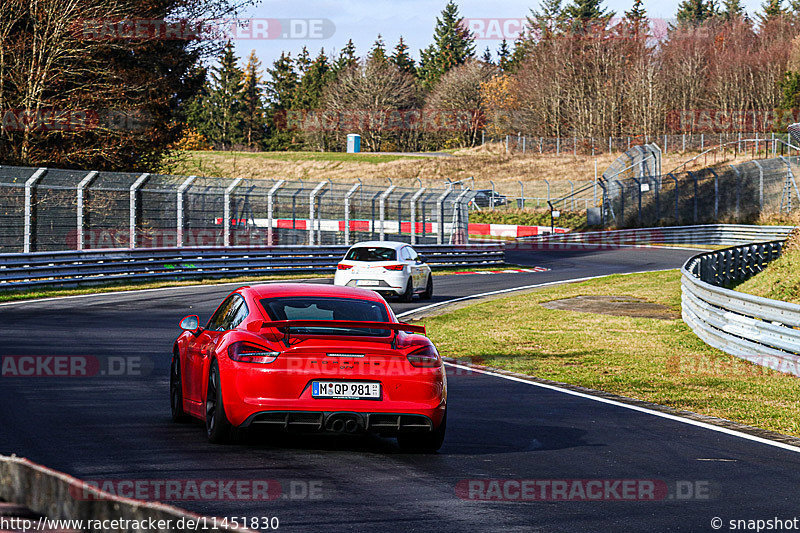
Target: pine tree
(487, 56)
(253, 101)
(636, 18)
(347, 57)
(224, 102)
(309, 90)
(402, 59)
(772, 9)
(587, 11)
(732, 9)
(548, 20)
(695, 12)
(378, 51)
(452, 45)
(503, 55)
(281, 88)
(303, 60)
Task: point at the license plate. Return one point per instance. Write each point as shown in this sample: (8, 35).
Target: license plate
(351, 390)
(369, 282)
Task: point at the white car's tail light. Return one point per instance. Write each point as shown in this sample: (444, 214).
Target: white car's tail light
(244, 352)
(394, 267)
(342, 266)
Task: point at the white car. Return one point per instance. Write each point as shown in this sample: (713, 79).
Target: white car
(386, 267)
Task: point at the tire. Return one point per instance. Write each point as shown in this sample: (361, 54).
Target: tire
(428, 294)
(408, 295)
(176, 391)
(424, 442)
(218, 428)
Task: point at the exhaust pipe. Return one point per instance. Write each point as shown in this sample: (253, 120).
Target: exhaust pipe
(351, 426)
(338, 425)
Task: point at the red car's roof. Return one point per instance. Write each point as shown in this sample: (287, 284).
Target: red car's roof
(271, 290)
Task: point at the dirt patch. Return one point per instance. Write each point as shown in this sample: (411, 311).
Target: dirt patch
(615, 306)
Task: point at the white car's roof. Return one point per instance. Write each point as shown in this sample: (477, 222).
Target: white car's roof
(380, 244)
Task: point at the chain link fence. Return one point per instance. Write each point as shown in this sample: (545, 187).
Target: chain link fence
(669, 143)
(50, 210)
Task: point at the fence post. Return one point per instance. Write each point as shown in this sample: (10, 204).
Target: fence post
(558, 145)
(738, 189)
(414, 199)
(694, 178)
(134, 191)
(677, 198)
(457, 220)
(716, 193)
(311, 197)
(506, 143)
(523, 143)
(226, 210)
(547, 182)
(572, 193)
(81, 188)
(349, 194)
(271, 209)
(491, 198)
(382, 211)
(440, 217)
(760, 185)
(522, 193)
(684, 143)
(180, 210)
(30, 185)
(665, 143)
(609, 144)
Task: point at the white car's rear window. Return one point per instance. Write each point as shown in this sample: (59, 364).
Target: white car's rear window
(371, 254)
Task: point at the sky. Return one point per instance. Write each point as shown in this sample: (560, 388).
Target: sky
(329, 24)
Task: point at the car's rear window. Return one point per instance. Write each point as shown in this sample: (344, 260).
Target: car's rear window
(371, 254)
(316, 308)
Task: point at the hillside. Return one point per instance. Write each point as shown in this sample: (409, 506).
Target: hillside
(781, 279)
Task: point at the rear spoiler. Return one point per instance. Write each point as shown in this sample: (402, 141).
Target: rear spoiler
(285, 326)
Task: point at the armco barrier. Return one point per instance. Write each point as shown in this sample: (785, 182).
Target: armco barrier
(711, 234)
(758, 329)
(57, 496)
(63, 269)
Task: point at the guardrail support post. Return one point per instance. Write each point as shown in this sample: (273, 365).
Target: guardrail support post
(181, 218)
(134, 192)
(81, 188)
(271, 209)
(226, 208)
(30, 185)
(414, 215)
(382, 210)
(311, 211)
(347, 197)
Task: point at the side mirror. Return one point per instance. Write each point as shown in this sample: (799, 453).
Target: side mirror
(190, 323)
(422, 259)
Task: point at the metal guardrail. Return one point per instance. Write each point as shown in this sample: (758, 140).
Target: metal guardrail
(65, 269)
(709, 234)
(763, 331)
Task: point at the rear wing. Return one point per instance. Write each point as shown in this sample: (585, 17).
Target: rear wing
(285, 326)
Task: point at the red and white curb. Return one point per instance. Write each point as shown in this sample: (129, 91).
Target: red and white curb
(506, 271)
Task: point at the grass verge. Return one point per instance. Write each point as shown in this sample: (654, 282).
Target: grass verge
(655, 360)
(781, 279)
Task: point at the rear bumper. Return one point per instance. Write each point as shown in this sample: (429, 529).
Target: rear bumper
(342, 422)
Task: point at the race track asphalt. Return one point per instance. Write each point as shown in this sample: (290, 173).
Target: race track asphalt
(117, 427)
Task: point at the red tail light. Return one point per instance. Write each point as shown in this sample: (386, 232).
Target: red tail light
(341, 266)
(426, 357)
(394, 267)
(244, 352)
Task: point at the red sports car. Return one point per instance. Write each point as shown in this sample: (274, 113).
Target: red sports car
(307, 357)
